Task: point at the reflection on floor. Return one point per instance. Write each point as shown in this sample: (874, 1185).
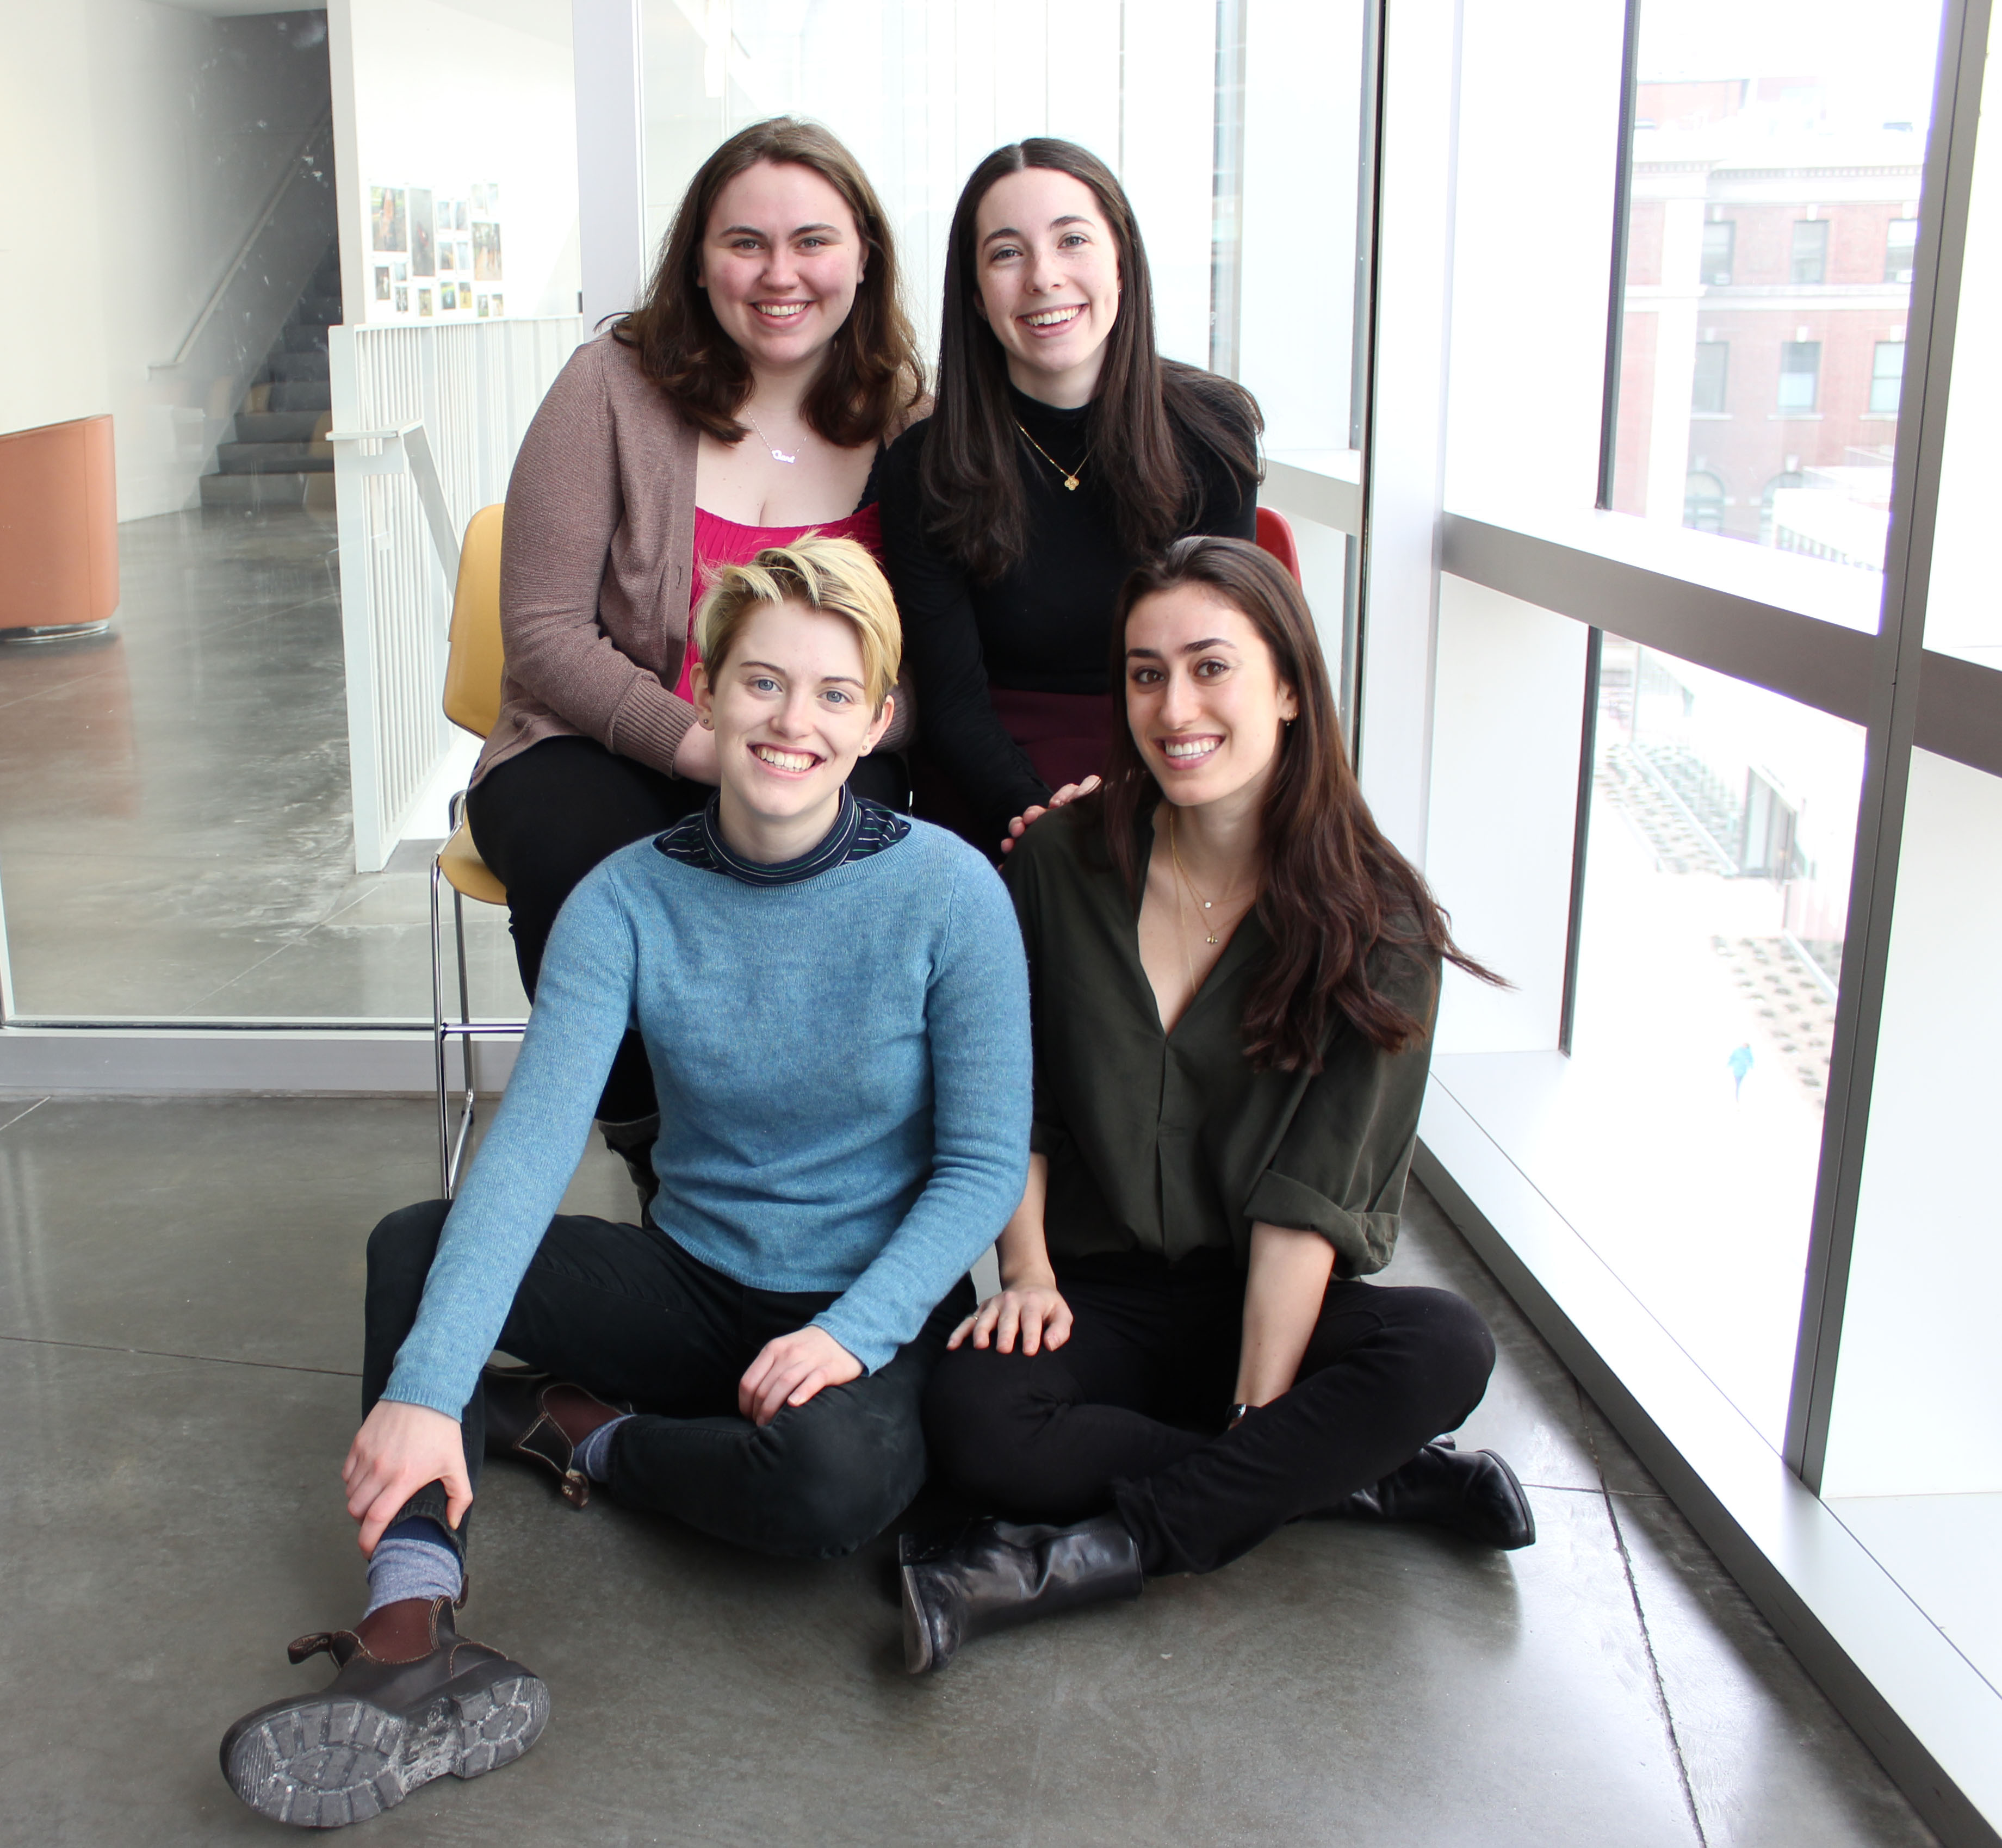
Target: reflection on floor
(178, 1344)
(174, 830)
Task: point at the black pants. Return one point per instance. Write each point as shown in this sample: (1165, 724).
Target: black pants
(1128, 1414)
(544, 819)
(627, 1314)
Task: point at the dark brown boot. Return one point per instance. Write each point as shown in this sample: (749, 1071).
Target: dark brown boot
(542, 1420)
(412, 1700)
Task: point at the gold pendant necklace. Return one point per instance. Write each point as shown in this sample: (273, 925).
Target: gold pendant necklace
(1069, 474)
(1174, 854)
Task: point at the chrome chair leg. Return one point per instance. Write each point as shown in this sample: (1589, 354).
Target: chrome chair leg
(438, 1036)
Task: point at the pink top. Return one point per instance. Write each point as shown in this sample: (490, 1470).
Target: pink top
(719, 542)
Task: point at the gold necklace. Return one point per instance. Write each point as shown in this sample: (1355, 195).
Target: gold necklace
(1069, 474)
(1174, 854)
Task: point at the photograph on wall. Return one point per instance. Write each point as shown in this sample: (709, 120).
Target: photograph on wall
(423, 262)
(449, 298)
(447, 258)
(458, 214)
(480, 208)
(465, 257)
(385, 217)
(479, 308)
(498, 310)
(381, 282)
(486, 253)
(402, 272)
(424, 303)
(403, 300)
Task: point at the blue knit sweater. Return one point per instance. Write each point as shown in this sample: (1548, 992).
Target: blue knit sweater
(843, 1069)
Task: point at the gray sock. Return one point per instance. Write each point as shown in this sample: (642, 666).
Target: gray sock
(593, 1455)
(404, 1565)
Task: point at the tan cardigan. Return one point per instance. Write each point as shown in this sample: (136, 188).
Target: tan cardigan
(596, 558)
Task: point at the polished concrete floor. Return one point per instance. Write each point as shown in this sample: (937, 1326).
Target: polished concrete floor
(176, 837)
(180, 1293)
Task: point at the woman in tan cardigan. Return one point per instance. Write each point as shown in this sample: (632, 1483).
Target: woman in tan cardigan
(746, 402)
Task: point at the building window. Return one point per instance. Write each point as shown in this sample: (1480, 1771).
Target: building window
(1887, 375)
(1800, 375)
(1713, 358)
(1810, 250)
(1720, 243)
(1899, 243)
(1703, 501)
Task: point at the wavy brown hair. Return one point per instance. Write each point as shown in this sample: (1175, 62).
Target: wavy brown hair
(1333, 888)
(872, 375)
(971, 472)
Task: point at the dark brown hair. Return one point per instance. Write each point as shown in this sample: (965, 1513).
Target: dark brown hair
(971, 472)
(1333, 888)
(872, 376)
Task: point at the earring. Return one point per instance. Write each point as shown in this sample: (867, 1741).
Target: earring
(709, 724)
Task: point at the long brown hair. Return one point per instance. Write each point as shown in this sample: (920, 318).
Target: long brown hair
(872, 375)
(1333, 887)
(971, 472)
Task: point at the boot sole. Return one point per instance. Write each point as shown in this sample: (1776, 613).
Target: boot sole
(322, 1763)
(919, 1657)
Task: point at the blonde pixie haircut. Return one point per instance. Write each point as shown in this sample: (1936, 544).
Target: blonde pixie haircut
(834, 577)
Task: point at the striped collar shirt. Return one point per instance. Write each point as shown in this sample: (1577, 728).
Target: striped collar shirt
(861, 827)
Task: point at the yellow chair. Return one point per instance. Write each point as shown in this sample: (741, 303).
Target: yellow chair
(472, 701)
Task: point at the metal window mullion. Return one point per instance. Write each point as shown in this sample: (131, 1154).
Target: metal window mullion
(1363, 374)
(1891, 725)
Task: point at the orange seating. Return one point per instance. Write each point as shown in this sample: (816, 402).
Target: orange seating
(58, 529)
(1275, 536)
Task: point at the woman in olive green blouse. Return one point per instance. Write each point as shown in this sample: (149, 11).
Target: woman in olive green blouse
(1234, 975)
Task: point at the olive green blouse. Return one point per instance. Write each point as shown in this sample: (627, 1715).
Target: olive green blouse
(1169, 1143)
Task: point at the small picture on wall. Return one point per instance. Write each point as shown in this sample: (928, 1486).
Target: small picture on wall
(486, 253)
(445, 257)
(403, 300)
(465, 257)
(423, 262)
(479, 309)
(385, 217)
(400, 272)
(480, 208)
(458, 214)
(449, 298)
(498, 310)
(381, 282)
(424, 303)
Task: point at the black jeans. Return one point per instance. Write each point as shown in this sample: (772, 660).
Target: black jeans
(626, 1313)
(544, 819)
(1127, 1414)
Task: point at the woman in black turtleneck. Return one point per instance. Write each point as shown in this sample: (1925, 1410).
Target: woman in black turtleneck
(1062, 451)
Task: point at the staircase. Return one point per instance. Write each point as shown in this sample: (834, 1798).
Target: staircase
(279, 444)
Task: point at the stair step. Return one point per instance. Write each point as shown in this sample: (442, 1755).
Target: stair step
(274, 459)
(305, 338)
(254, 490)
(308, 394)
(275, 426)
(297, 366)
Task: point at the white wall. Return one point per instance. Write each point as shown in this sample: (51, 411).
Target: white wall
(143, 141)
(446, 94)
(1508, 720)
(1920, 1372)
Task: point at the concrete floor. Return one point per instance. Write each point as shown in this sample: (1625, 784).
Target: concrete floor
(176, 835)
(180, 1328)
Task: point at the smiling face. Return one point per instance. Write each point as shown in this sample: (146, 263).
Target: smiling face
(1204, 699)
(1049, 269)
(781, 259)
(791, 714)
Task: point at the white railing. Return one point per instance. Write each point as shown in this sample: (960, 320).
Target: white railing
(449, 403)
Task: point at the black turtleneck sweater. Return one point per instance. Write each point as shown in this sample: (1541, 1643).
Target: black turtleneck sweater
(1045, 626)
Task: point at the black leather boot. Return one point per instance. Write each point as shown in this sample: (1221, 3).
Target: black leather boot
(999, 1574)
(541, 1421)
(632, 1143)
(412, 1700)
(1473, 1493)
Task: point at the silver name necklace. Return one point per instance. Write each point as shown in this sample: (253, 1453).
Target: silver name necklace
(778, 455)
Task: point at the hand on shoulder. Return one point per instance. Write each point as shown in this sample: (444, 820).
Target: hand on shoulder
(1063, 798)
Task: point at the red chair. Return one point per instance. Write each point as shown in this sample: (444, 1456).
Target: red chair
(1275, 536)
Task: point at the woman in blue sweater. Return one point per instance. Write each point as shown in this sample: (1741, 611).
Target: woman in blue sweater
(833, 1004)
